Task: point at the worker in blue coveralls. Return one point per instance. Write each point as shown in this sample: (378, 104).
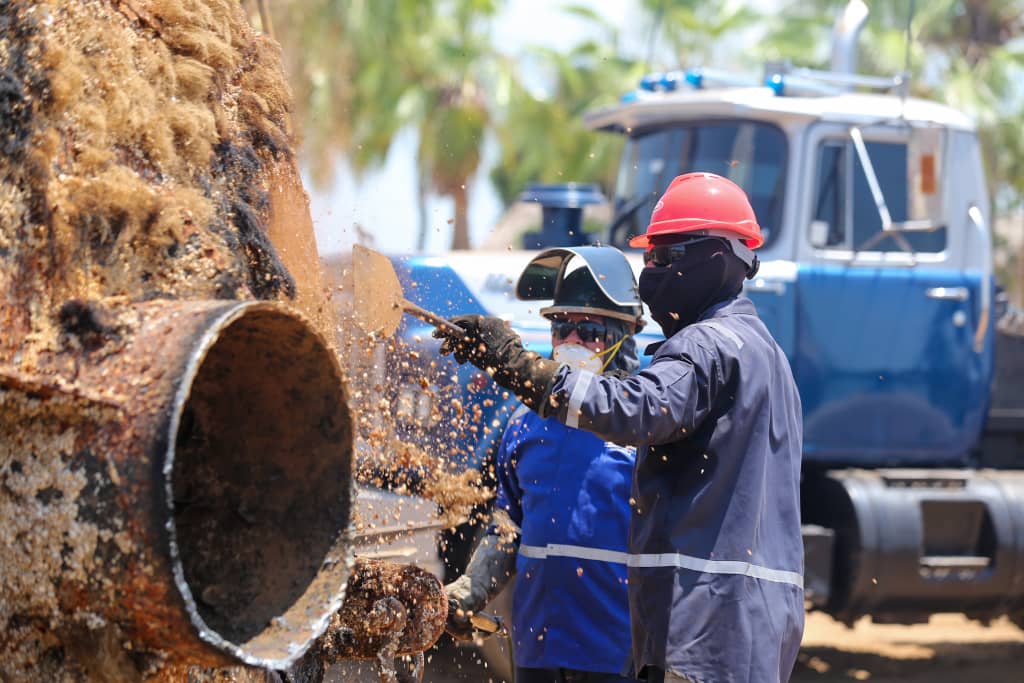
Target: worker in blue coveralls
(715, 552)
(561, 516)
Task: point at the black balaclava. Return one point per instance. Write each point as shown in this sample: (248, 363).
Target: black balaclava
(677, 294)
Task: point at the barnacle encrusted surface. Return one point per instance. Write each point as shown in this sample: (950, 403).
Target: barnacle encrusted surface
(137, 142)
(141, 143)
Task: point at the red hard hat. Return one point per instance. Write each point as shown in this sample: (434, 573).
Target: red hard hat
(705, 203)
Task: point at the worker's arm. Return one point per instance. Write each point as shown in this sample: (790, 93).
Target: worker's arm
(490, 568)
(663, 403)
(488, 343)
(493, 562)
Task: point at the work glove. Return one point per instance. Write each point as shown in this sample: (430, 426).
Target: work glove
(489, 344)
(490, 568)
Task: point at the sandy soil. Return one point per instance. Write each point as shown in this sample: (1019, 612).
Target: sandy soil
(950, 649)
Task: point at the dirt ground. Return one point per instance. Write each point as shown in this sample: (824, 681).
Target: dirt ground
(950, 649)
(947, 650)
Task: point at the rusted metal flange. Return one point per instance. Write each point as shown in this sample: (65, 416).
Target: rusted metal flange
(390, 611)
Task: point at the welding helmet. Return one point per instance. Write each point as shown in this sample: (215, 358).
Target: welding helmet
(602, 284)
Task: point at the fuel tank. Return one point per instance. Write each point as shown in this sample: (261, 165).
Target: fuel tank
(909, 543)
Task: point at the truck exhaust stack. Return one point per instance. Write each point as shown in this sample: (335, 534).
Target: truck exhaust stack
(844, 37)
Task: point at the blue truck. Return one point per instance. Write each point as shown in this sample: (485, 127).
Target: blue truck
(876, 279)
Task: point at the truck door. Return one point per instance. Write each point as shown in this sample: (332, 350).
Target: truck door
(885, 358)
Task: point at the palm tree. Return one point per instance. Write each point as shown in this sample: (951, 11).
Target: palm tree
(364, 70)
(454, 111)
(542, 136)
(693, 28)
(350, 63)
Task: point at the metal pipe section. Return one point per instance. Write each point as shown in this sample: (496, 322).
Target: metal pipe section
(845, 33)
(911, 543)
(191, 476)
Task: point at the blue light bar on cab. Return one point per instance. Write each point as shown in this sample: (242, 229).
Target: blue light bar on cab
(788, 84)
(696, 78)
(658, 81)
(650, 82)
(670, 80)
(716, 78)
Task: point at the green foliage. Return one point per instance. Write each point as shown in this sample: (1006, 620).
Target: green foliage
(544, 138)
(693, 27)
(450, 140)
(351, 63)
(363, 70)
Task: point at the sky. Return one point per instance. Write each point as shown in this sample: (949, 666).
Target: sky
(383, 203)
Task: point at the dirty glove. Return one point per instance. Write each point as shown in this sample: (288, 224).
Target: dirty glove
(492, 346)
(492, 565)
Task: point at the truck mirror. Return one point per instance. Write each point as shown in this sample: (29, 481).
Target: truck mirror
(819, 234)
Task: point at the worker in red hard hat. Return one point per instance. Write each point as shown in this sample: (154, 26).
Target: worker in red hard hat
(715, 560)
(705, 222)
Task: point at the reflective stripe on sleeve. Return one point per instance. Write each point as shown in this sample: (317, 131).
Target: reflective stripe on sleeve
(579, 392)
(724, 331)
(649, 560)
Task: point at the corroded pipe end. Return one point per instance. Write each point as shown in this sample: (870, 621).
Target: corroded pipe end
(258, 483)
(399, 607)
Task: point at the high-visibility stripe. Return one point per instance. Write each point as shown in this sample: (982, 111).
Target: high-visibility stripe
(725, 331)
(578, 552)
(650, 560)
(579, 392)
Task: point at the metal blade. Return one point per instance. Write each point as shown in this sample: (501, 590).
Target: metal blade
(377, 294)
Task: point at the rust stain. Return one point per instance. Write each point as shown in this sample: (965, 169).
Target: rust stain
(148, 184)
(141, 143)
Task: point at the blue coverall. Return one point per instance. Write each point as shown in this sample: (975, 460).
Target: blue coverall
(568, 491)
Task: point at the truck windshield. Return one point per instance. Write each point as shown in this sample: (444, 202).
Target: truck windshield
(749, 153)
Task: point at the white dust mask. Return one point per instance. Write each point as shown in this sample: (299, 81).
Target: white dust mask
(578, 357)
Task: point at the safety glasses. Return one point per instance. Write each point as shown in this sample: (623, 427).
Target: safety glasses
(665, 254)
(588, 330)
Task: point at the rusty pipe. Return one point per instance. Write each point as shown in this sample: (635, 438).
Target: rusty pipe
(390, 611)
(184, 478)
